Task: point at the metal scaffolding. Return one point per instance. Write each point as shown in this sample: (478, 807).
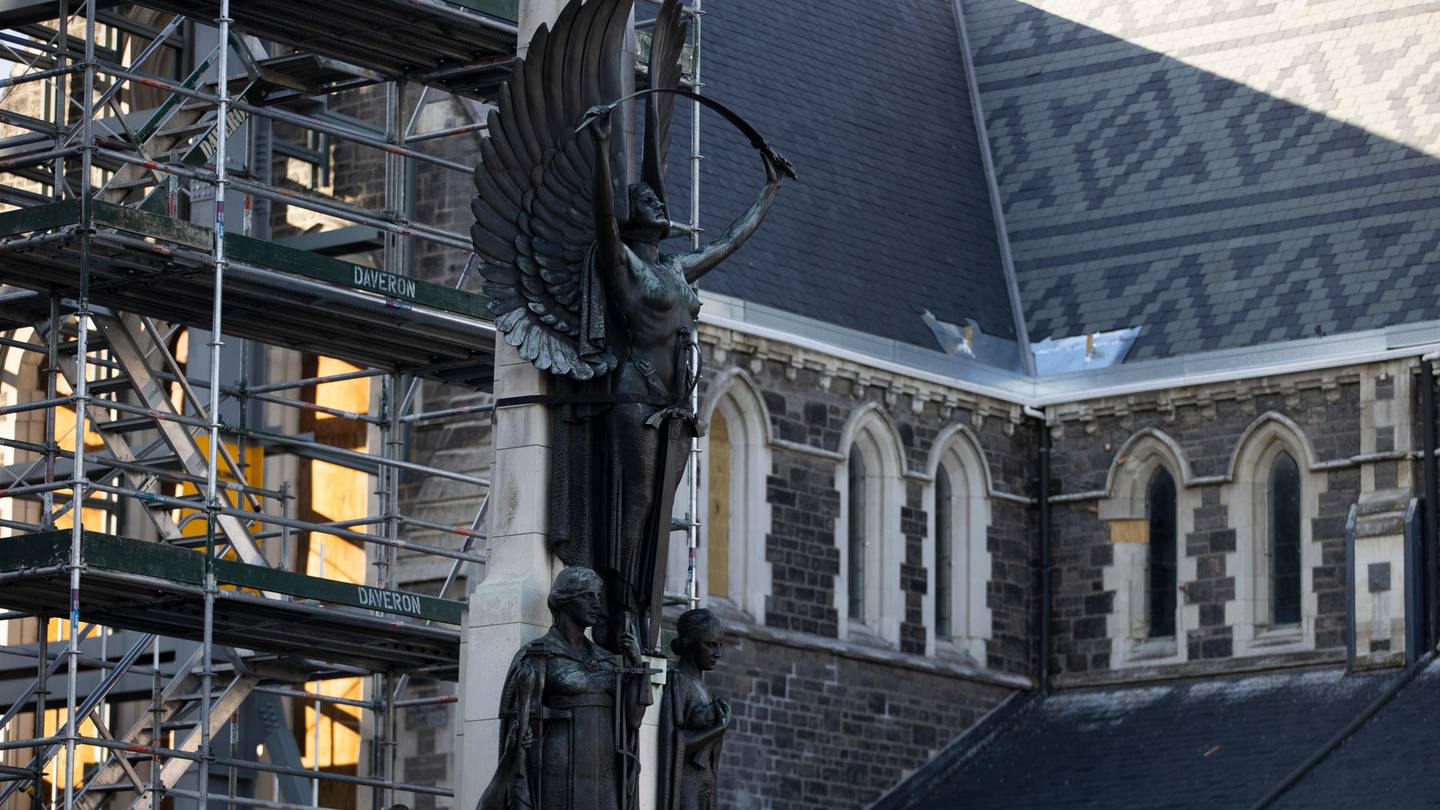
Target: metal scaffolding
(104, 267)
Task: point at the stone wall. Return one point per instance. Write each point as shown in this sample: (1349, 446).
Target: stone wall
(1337, 416)
(824, 721)
(810, 399)
(816, 729)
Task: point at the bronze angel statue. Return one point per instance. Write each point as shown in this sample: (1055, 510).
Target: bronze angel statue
(580, 287)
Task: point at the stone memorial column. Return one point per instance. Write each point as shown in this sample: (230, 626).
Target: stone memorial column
(508, 608)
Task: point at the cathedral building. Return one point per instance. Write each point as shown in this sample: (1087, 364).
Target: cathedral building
(1069, 428)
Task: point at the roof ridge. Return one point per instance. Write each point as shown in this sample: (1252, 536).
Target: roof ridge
(959, 753)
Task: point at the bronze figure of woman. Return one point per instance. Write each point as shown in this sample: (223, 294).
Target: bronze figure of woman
(580, 287)
(570, 713)
(692, 722)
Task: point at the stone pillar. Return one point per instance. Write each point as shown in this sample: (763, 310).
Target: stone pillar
(508, 608)
(650, 736)
(1386, 490)
(533, 14)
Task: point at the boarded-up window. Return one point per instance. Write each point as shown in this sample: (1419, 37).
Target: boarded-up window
(717, 515)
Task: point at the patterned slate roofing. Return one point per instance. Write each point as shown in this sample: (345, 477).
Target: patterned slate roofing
(1221, 172)
(891, 214)
(1222, 742)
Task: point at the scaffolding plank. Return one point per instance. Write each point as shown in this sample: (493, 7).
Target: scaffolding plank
(40, 218)
(103, 552)
(256, 251)
(410, 38)
(504, 9)
(170, 276)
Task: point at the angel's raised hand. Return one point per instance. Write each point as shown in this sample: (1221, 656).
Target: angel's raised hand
(598, 119)
(776, 164)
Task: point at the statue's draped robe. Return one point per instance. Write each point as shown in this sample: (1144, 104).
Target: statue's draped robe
(686, 781)
(586, 496)
(575, 762)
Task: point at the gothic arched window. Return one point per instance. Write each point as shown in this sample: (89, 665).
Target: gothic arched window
(736, 457)
(855, 573)
(944, 555)
(1283, 494)
(1161, 582)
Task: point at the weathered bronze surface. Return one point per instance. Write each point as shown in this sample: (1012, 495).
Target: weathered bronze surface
(692, 723)
(580, 288)
(570, 712)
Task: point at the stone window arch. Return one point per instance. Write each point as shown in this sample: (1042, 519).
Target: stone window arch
(736, 518)
(1273, 495)
(868, 597)
(1148, 512)
(956, 554)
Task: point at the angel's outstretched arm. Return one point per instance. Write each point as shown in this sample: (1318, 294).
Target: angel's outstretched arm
(709, 257)
(613, 253)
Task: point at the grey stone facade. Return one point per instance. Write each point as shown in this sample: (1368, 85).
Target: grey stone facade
(1208, 426)
(816, 729)
(810, 399)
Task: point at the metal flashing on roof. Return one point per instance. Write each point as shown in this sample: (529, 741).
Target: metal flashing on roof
(971, 341)
(1086, 352)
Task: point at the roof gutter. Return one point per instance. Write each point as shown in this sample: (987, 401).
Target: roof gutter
(1047, 392)
(997, 207)
(1160, 383)
(1003, 394)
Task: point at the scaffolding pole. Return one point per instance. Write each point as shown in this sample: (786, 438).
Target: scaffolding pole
(212, 497)
(82, 332)
(692, 529)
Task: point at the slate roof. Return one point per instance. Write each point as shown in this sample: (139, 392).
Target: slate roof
(891, 213)
(1388, 762)
(1223, 742)
(1139, 189)
(1142, 190)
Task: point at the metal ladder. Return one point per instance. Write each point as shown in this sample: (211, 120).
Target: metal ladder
(181, 130)
(133, 341)
(175, 709)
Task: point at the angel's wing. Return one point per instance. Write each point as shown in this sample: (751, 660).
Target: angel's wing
(534, 218)
(666, 49)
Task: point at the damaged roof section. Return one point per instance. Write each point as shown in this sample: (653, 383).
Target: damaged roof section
(1224, 742)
